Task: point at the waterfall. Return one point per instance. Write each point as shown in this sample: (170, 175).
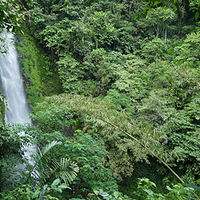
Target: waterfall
(13, 90)
(12, 85)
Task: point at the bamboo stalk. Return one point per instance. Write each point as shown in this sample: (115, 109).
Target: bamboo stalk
(152, 153)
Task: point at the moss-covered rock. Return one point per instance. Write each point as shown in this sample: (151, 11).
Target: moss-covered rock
(38, 70)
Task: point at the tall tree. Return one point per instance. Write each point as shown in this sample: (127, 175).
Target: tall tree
(161, 18)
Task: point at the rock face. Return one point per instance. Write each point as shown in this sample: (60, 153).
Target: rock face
(25, 77)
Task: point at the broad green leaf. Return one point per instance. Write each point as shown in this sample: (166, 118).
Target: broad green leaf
(55, 182)
(192, 186)
(197, 15)
(174, 6)
(64, 186)
(59, 190)
(156, 3)
(170, 51)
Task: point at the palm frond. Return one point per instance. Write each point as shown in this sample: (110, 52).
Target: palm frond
(49, 146)
(66, 170)
(41, 166)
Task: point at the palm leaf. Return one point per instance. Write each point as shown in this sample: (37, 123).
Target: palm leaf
(41, 165)
(66, 170)
(48, 147)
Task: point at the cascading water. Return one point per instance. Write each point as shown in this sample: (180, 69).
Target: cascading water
(12, 85)
(13, 90)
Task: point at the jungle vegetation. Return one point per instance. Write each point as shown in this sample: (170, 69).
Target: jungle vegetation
(115, 95)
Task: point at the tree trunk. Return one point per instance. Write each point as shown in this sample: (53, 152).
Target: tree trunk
(157, 31)
(165, 34)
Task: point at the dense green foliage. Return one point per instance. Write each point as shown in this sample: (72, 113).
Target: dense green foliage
(129, 76)
(88, 151)
(11, 154)
(11, 18)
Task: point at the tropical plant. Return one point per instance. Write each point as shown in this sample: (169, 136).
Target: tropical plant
(43, 169)
(10, 154)
(90, 154)
(26, 192)
(11, 18)
(100, 194)
(50, 118)
(145, 190)
(160, 18)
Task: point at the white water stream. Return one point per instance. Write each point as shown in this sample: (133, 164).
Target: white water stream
(12, 85)
(13, 90)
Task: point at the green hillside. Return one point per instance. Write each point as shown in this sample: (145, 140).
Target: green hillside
(118, 83)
